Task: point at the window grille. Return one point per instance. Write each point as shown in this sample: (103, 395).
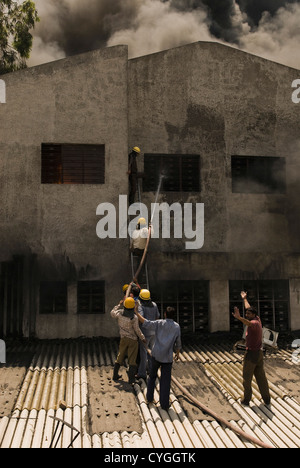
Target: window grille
(182, 172)
(53, 297)
(91, 297)
(190, 300)
(73, 164)
(258, 174)
(269, 297)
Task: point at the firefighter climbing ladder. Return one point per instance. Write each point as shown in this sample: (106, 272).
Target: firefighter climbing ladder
(135, 259)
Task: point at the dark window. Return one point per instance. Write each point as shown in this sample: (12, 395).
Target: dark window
(73, 164)
(91, 297)
(11, 297)
(190, 300)
(258, 174)
(53, 297)
(181, 171)
(270, 297)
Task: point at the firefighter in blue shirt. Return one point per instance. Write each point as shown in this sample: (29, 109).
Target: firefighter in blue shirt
(167, 340)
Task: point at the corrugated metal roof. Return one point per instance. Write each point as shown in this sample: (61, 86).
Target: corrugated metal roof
(58, 371)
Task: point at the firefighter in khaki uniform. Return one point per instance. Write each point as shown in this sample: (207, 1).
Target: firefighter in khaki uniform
(130, 333)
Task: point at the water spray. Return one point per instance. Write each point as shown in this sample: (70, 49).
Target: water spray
(161, 177)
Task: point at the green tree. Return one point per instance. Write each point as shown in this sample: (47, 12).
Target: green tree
(16, 20)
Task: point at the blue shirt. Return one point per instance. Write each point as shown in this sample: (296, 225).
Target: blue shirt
(167, 336)
(149, 313)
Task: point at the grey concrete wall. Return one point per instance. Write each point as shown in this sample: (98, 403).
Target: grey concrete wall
(202, 98)
(81, 99)
(216, 101)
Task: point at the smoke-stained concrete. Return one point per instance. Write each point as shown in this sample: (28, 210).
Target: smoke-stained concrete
(82, 99)
(229, 103)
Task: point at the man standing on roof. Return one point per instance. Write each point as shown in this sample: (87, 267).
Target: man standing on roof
(167, 340)
(254, 359)
(130, 333)
(133, 173)
(149, 310)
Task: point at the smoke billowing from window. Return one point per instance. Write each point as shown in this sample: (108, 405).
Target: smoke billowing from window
(269, 28)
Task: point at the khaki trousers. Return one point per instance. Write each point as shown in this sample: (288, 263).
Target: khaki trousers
(130, 348)
(254, 366)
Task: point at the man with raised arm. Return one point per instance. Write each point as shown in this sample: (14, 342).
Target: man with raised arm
(254, 359)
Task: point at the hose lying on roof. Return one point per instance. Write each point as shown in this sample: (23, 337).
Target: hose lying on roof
(220, 419)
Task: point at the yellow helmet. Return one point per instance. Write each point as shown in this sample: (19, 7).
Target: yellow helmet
(145, 294)
(136, 149)
(125, 287)
(142, 221)
(129, 303)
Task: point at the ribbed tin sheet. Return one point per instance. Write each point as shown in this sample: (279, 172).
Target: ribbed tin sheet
(58, 371)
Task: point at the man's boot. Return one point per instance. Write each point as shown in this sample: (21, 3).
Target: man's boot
(131, 374)
(116, 375)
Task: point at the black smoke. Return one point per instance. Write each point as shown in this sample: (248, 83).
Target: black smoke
(221, 13)
(255, 8)
(75, 26)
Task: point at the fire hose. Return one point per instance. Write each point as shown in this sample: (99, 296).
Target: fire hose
(141, 263)
(222, 420)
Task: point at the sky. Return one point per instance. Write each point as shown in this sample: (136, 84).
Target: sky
(267, 28)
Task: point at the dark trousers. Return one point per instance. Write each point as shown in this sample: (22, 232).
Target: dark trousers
(133, 180)
(254, 366)
(165, 382)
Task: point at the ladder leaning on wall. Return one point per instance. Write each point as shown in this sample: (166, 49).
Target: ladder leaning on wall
(136, 259)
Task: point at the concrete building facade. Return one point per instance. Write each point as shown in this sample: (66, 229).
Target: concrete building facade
(218, 122)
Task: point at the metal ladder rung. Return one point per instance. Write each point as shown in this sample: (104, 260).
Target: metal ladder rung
(134, 266)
